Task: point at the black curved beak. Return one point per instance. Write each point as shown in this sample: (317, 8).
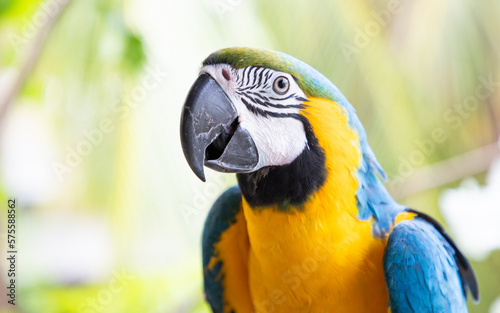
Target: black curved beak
(211, 134)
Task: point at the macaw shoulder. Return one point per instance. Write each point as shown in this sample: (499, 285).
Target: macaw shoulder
(225, 255)
(424, 269)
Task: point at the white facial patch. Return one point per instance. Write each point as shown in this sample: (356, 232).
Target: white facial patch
(268, 103)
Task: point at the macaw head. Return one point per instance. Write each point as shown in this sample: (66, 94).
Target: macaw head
(277, 122)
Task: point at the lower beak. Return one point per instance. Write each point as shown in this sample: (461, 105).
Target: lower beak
(211, 134)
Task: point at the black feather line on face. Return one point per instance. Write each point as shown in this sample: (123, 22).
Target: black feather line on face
(249, 87)
(287, 186)
(285, 98)
(260, 77)
(260, 112)
(268, 104)
(257, 95)
(254, 81)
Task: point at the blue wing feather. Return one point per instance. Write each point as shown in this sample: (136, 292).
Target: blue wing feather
(469, 281)
(221, 216)
(422, 269)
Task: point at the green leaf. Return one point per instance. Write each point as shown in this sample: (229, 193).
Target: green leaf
(133, 56)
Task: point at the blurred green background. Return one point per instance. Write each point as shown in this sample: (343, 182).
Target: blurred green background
(109, 214)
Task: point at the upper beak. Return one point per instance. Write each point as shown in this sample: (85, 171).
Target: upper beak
(211, 134)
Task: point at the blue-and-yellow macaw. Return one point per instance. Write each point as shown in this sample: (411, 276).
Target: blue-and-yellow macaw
(310, 226)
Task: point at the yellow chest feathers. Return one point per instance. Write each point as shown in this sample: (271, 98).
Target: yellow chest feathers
(299, 263)
(321, 251)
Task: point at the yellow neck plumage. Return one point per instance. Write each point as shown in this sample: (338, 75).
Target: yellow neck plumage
(285, 245)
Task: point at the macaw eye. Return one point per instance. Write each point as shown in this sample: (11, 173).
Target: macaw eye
(281, 85)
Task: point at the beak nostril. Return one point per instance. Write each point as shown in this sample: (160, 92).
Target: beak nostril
(226, 75)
